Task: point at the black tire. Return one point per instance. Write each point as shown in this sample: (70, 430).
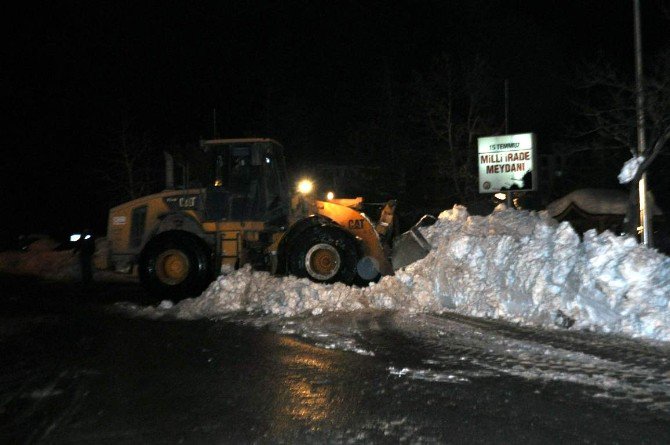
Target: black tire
(324, 254)
(175, 266)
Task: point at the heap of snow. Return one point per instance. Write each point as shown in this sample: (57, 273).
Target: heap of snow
(40, 259)
(514, 265)
(43, 258)
(629, 169)
(526, 268)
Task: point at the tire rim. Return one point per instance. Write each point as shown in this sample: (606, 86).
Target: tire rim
(172, 267)
(322, 261)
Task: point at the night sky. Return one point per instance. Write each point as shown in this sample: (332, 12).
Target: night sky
(72, 72)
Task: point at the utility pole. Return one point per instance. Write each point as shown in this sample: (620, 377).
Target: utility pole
(645, 211)
(509, 193)
(215, 133)
(506, 106)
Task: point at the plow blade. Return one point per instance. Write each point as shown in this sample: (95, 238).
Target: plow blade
(411, 246)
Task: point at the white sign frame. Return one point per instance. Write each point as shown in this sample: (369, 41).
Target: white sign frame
(504, 162)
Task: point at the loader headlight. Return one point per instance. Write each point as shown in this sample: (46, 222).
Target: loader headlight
(500, 196)
(330, 195)
(305, 186)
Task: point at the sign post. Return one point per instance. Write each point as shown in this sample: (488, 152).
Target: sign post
(507, 163)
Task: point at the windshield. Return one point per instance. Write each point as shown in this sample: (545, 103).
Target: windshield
(232, 167)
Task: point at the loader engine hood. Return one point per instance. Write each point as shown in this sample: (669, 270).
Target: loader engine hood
(184, 201)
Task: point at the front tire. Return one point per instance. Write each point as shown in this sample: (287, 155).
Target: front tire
(175, 266)
(324, 254)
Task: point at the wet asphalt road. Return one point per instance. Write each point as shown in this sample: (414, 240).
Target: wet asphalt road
(75, 372)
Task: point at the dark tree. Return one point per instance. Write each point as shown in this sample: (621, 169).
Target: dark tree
(455, 104)
(132, 164)
(607, 103)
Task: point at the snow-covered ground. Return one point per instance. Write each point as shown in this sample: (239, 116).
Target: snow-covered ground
(511, 266)
(40, 259)
(517, 266)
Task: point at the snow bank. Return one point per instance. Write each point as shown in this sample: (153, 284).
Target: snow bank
(41, 261)
(629, 169)
(526, 268)
(513, 265)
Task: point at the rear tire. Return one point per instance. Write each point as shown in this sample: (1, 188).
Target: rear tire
(324, 254)
(175, 266)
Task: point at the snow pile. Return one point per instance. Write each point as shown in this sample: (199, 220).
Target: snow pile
(514, 265)
(526, 268)
(629, 169)
(247, 290)
(40, 260)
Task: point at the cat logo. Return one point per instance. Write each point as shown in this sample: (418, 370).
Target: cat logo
(356, 223)
(187, 202)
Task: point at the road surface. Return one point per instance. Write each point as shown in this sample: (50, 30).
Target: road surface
(77, 370)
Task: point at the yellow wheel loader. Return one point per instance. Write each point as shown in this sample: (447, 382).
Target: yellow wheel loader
(248, 213)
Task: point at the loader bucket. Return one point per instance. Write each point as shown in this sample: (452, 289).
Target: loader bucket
(411, 246)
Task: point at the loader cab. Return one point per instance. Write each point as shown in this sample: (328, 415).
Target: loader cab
(247, 181)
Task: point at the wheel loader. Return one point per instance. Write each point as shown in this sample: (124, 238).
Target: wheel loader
(247, 213)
